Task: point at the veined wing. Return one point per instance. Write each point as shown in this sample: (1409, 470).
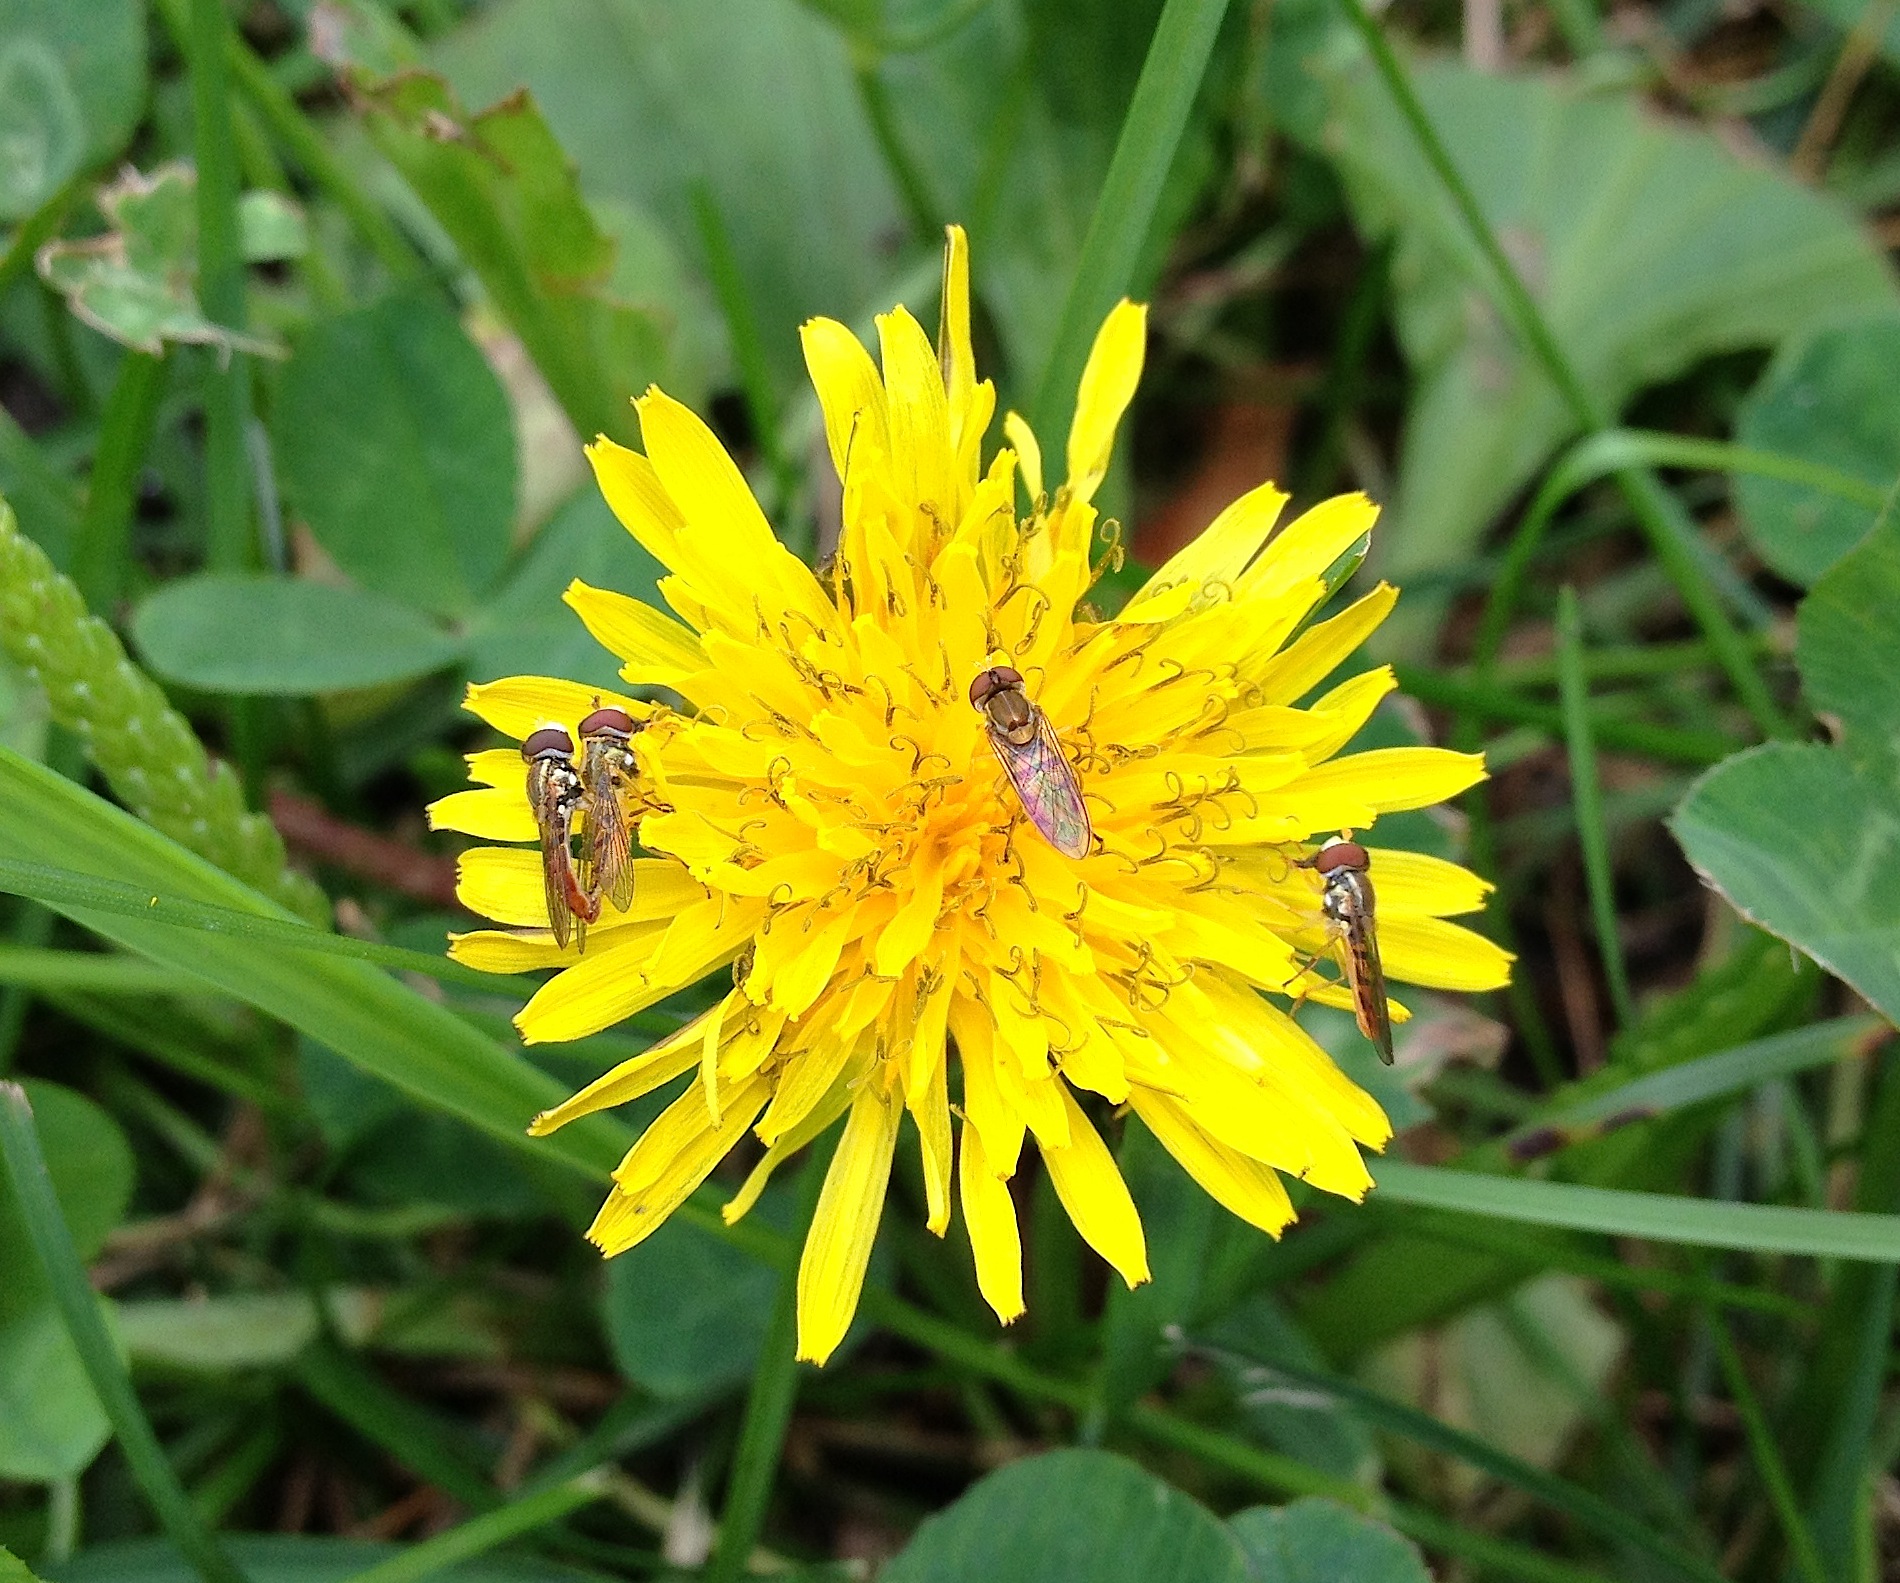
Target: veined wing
(609, 867)
(1046, 785)
(1364, 971)
(569, 909)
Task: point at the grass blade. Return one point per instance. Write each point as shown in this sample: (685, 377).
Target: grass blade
(1768, 1463)
(369, 1018)
(481, 1534)
(1658, 1217)
(1118, 230)
(1654, 507)
(67, 889)
(103, 552)
(79, 1308)
(1588, 1508)
(1586, 792)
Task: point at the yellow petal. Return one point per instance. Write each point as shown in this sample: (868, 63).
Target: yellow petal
(637, 497)
(703, 481)
(1302, 551)
(1350, 792)
(1211, 565)
(850, 392)
(497, 767)
(1096, 1197)
(628, 1081)
(1249, 1189)
(1022, 440)
(1412, 884)
(920, 455)
(929, 1107)
(828, 1110)
(844, 1226)
(674, 1155)
(989, 1215)
(655, 649)
(1108, 385)
(505, 883)
(501, 951)
(494, 813)
(1311, 657)
(953, 332)
(517, 706)
(1441, 955)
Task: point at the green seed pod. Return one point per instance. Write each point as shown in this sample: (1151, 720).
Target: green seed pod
(145, 749)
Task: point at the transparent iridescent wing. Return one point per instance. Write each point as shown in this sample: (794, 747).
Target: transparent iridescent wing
(1046, 785)
(1364, 972)
(609, 864)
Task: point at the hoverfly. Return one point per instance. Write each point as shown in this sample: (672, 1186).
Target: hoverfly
(556, 793)
(1348, 905)
(1026, 743)
(607, 772)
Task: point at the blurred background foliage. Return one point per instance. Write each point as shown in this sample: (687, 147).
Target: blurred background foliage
(304, 308)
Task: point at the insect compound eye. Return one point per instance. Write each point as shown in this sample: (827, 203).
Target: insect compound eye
(617, 721)
(549, 739)
(1341, 854)
(982, 687)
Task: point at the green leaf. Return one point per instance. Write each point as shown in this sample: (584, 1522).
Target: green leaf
(397, 446)
(503, 189)
(138, 281)
(685, 1313)
(1844, 648)
(752, 98)
(1319, 1541)
(1829, 399)
(1072, 1514)
(233, 632)
(1647, 247)
(525, 629)
(1800, 844)
(72, 86)
(13, 1569)
(51, 1423)
(273, 1558)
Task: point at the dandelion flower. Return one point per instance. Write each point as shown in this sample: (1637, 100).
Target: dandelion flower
(827, 817)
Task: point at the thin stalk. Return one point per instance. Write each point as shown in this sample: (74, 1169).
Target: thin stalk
(103, 551)
(1586, 793)
(1761, 1441)
(79, 1308)
(1652, 505)
(65, 887)
(748, 345)
(768, 1412)
(1484, 700)
(307, 149)
(42, 225)
(1118, 230)
(92, 972)
(926, 214)
(231, 545)
(487, 1532)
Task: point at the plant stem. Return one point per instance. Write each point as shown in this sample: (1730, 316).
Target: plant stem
(1586, 793)
(1118, 230)
(481, 1534)
(307, 149)
(79, 1308)
(103, 552)
(1655, 509)
(768, 1411)
(231, 545)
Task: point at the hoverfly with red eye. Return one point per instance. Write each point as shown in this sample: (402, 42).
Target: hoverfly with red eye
(607, 774)
(556, 794)
(1347, 902)
(1026, 743)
